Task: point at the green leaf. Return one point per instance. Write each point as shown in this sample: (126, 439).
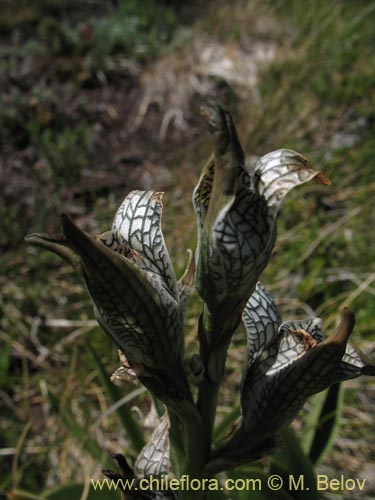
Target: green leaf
(323, 422)
(255, 481)
(292, 462)
(133, 430)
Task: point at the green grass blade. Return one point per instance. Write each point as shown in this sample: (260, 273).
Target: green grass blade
(292, 462)
(323, 422)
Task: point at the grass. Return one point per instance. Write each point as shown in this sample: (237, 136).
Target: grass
(320, 93)
(316, 97)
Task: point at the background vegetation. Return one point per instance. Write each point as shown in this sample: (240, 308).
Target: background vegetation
(100, 97)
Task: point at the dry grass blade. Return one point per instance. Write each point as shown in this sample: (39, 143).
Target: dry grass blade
(327, 232)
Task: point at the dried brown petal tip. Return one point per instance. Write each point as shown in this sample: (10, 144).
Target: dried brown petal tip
(345, 327)
(158, 196)
(320, 178)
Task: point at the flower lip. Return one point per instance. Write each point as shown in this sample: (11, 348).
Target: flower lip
(288, 363)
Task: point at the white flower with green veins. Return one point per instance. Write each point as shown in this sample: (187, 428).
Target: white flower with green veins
(289, 362)
(131, 280)
(236, 211)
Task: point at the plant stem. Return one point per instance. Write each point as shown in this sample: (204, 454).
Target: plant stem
(196, 452)
(209, 388)
(214, 335)
(206, 404)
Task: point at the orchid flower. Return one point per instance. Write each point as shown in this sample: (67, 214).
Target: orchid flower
(130, 278)
(236, 211)
(289, 362)
(152, 464)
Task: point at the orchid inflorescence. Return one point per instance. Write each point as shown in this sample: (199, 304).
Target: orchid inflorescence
(141, 306)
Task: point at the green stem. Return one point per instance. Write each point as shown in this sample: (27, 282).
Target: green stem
(209, 388)
(206, 404)
(198, 427)
(195, 446)
(196, 453)
(214, 336)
